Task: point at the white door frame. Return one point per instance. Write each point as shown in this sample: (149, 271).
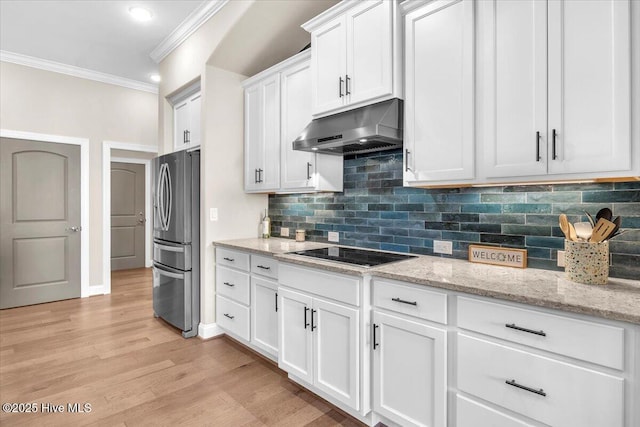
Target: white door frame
(85, 288)
(107, 146)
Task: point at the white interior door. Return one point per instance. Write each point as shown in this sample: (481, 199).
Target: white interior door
(39, 222)
(128, 215)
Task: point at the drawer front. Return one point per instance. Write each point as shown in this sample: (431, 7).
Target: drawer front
(592, 342)
(232, 317)
(474, 414)
(421, 303)
(330, 285)
(264, 266)
(233, 284)
(552, 392)
(231, 258)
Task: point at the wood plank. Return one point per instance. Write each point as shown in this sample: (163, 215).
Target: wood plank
(134, 369)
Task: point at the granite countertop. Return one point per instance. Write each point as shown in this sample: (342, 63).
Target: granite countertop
(618, 300)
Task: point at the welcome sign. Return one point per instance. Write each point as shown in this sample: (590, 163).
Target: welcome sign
(507, 257)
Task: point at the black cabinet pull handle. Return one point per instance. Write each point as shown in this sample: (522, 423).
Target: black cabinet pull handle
(255, 175)
(228, 259)
(277, 302)
(229, 284)
(309, 170)
(406, 160)
(184, 136)
(229, 316)
(348, 85)
(340, 82)
(188, 136)
(513, 383)
(404, 302)
(520, 328)
(305, 317)
(313, 325)
(375, 344)
(260, 175)
(553, 142)
(263, 267)
(537, 146)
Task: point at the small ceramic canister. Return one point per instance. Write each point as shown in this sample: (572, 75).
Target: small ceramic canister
(587, 262)
(300, 235)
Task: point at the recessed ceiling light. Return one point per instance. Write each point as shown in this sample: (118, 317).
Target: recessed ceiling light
(155, 78)
(140, 13)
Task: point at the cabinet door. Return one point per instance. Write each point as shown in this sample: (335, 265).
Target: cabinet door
(294, 339)
(180, 124)
(253, 137)
(589, 85)
(297, 167)
(194, 120)
(409, 374)
(264, 315)
(514, 65)
(439, 98)
(369, 51)
(336, 356)
(328, 66)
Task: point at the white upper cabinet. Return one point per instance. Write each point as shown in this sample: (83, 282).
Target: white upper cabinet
(556, 87)
(262, 135)
(186, 118)
(589, 86)
(513, 55)
(353, 55)
(277, 109)
(439, 100)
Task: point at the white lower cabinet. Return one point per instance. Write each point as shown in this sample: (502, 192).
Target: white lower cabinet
(319, 344)
(264, 315)
(409, 371)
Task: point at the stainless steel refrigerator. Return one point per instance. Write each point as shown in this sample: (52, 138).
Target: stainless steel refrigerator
(176, 240)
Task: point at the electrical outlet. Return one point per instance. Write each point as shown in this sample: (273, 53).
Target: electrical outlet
(560, 258)
(213, 214)
(284, 231)
(333, 236)
(442, 247)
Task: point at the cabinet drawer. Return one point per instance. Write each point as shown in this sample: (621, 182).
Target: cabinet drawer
(330, 285)
(552, 392)
(473, 414)
(232, 317)
(264, 266)
(592, 342)
(231, 258)
(233, 284)
(417, 302)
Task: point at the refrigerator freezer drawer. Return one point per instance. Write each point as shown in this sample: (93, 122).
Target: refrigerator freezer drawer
(172, 296)
(174, 255)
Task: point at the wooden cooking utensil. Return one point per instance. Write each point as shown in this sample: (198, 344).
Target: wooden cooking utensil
(572, 233)
(617, 223)
(564, 226)
(602, 230)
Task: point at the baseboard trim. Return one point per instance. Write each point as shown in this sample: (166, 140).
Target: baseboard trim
(209, 330)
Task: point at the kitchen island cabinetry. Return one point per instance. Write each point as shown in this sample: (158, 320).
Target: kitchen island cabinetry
(355, 56)
(320, 333)
(277, 109)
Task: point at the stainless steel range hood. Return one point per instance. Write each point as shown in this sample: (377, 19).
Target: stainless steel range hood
(376, 127)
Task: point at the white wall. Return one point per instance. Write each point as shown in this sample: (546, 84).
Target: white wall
(33, 100)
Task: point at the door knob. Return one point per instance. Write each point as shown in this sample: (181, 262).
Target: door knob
(141, 220)
(74, 229)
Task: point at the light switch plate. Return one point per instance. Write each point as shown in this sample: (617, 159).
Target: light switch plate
(442, 247)
(213, 214)
(284, 231)
(560, 258)
(333, 236)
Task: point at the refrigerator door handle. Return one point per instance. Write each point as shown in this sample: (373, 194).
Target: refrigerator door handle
(161, 197)
(169, 197)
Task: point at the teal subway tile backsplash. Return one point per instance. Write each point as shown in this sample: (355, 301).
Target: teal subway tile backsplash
(375, 211)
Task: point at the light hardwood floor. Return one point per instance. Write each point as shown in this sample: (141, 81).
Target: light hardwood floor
(135, 370)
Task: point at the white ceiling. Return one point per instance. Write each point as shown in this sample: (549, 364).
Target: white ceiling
(94, 35)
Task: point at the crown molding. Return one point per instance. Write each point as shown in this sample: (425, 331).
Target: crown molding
(70, 70)
(194, 21)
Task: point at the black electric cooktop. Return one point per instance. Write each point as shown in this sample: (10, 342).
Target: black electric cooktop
(363, 257)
